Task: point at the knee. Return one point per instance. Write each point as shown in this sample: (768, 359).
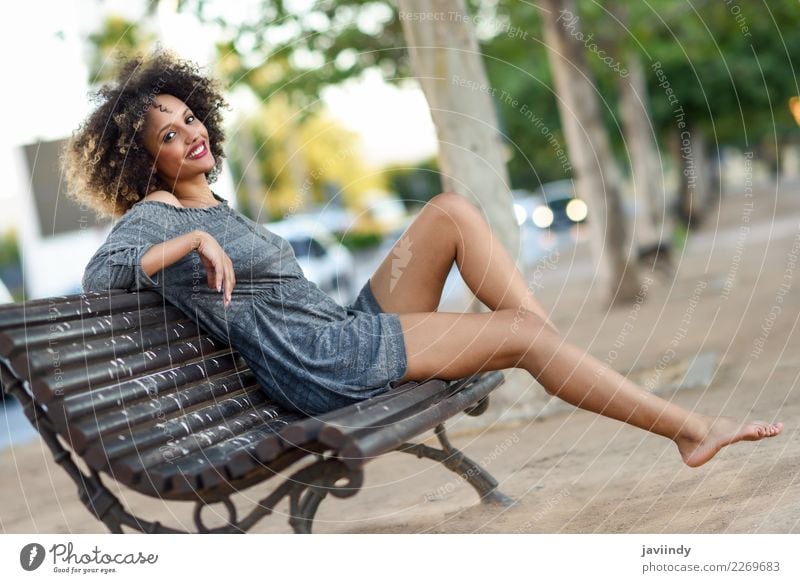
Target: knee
(452, 207)
(529, 325)
(533, 337)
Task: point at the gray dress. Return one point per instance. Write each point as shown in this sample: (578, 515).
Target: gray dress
(308, 352)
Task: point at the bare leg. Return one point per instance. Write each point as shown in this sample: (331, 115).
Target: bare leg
(448, 229)
(450, 346)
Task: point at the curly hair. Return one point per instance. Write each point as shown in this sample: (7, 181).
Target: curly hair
(105, 163)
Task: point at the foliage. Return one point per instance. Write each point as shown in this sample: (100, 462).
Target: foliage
(415, 184)
(300, 159)
(288, 48)
(116, 39)
(732, 82)
(9, 248)
(731, 65)
(357, 240)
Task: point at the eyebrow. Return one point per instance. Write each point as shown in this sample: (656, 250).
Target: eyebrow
(169, 124)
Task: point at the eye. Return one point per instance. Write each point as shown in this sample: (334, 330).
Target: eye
(168, 135)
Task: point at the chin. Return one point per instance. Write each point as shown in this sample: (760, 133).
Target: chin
(188, 173)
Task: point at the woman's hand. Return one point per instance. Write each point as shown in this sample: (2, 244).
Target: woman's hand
(219, 266)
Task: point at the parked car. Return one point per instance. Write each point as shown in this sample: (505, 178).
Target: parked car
(5, 295)
(525, 202)
(386, 211)
(5, 298)
(554, 205)
(324, 260)
(335, 219)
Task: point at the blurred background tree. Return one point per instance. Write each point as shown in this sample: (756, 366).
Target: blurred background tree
(297, 162)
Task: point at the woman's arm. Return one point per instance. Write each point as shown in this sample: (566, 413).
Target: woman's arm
(165, 254)
(218, 265)
(135, 253)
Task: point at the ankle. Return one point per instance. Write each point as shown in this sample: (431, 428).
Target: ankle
(695, 429)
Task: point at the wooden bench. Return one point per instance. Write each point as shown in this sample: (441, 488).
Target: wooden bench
(139, 392)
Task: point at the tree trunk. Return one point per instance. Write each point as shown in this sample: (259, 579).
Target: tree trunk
(597, 180)
(650, 230)
(697, 176)
(444, 54)
(446, 60)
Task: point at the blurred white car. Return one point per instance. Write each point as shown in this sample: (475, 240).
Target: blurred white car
(334, 218)
(5, 298)
(324, 260)
(5, 295)
(386, 211)
(389, 212)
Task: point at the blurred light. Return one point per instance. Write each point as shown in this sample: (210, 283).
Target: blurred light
(794, 107)
(577, 210)
(542, 216)
(519, 212)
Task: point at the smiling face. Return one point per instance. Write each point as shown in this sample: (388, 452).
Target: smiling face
(177, 140)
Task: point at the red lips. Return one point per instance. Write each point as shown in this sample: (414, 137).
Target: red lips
(204, 150)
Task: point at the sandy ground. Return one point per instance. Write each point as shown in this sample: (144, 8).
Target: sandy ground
(576, 472)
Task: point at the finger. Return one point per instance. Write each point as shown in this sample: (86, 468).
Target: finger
(229, 283)
(211, 275)
(218, 279)
(233, 274)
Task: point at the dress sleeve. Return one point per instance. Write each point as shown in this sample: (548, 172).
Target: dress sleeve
(118, 261)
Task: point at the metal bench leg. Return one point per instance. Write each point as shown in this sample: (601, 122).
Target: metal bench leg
(454, 460)
(306, 489)
(99, 501)
(304, 508)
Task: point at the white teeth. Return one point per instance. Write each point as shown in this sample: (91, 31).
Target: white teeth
(197, 150)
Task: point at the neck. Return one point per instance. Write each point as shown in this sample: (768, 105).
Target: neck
(195, 192)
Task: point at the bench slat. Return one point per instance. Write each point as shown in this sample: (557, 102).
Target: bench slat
(133, 343)
(57, 385)
(308, 430)
(133, 467)
(230, 459)
(32, 337)
(111, 447)
(73, 307)
(163, 407)
(92, 402)
(374, 416)
(58, 299)
(375, 443)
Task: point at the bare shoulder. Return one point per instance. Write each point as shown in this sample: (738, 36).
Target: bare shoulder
(163, 196)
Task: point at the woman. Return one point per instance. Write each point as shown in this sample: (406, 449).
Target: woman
(148, 154)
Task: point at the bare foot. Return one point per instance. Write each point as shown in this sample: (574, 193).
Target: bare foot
(722, 431)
